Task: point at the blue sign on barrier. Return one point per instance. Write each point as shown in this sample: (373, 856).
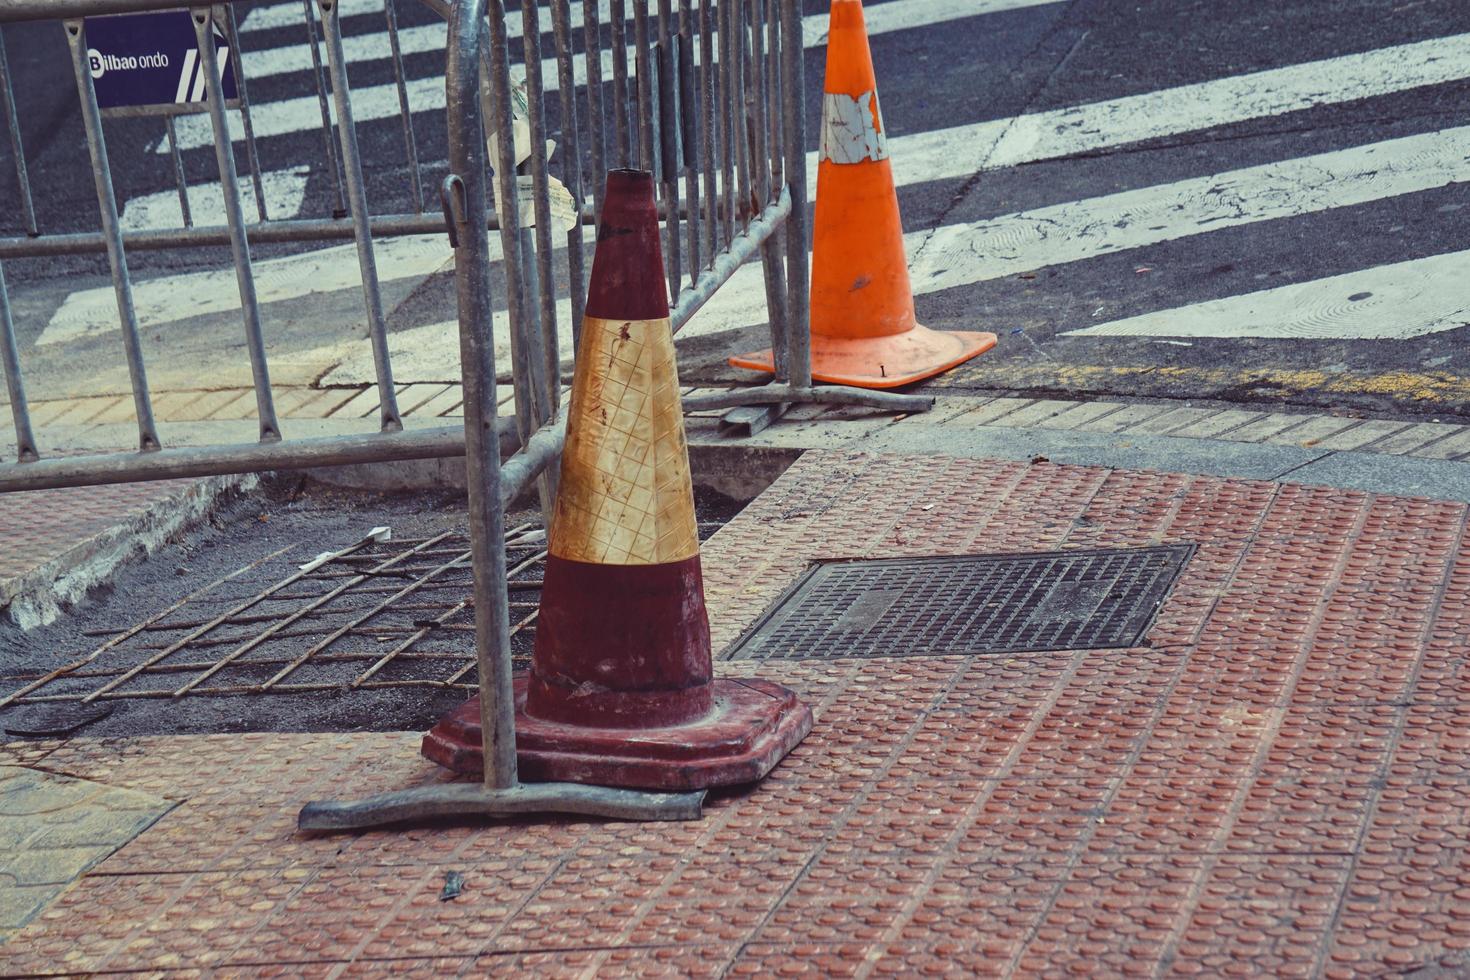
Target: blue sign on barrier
(152, 60)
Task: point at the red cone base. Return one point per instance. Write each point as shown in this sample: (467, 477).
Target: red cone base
(753, 724)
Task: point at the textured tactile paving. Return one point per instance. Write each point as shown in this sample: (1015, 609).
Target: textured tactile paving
(1277, 786)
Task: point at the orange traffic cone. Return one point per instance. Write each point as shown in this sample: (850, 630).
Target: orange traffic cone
(621, 690)
(862, 310)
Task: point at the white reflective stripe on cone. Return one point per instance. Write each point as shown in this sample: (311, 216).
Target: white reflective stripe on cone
(852, 128)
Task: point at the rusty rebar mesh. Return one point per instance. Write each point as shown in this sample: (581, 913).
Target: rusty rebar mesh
(377, 614)
(374, 615)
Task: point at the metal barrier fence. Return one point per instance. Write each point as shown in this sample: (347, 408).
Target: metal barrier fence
(708, 96)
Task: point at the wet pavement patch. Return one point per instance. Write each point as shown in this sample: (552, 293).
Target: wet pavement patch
(968, 604)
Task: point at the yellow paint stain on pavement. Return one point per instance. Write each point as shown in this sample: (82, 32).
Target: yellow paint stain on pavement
(1401, 385)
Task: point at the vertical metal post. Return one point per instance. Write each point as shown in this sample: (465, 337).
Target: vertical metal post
(726, 109)
(596, 118)
(709, 135)
(25, 440)
(357, 200)
(668, 144)
(528, 357)
(571, 159)
(793, 106)
(181, 180)
(224, 154)
(541, 205)
(252, 156)
(775, 275)
(617, 18)
(329, 145)
(465, 195)
(689, 132)
(644, 71)
(117, 261)
(741, 110)
(410, 143)
(12, 121)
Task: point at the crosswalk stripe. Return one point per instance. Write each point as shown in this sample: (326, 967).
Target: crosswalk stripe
(881, 18)
(372, 102)
(284, 192)
(960, 254)
(167, 299)
(289, 14)
(1389, 302)
(922, 157)
(993, 248)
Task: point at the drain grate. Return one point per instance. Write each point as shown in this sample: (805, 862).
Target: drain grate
(971, 604)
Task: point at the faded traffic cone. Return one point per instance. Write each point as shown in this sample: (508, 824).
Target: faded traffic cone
(621, 691)
(862, 307)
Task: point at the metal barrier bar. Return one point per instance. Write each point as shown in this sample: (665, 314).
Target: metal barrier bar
(541, 204)
(76, 38)
(20, 10)
(274, 232)
(191, 461)
(772, 269)
(709, 129)
(181, 180)
(410, 144)
(388, 416)
(643, 111)
(726, 99)
(329, 146)
(793, 112)
(25, 440)
(252, 155)
(597, 121)
(527, 356)
(571, 159)
(621, 141)
(739, 66)
(689, 131)
(224, 154)
(668, 115)
(17, 149)
(740, 250)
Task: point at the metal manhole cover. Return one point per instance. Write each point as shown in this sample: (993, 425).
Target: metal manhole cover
(970, 604)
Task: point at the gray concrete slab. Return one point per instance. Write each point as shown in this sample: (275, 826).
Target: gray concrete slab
(1441, 479)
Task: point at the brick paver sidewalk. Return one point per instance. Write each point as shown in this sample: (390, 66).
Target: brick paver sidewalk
(1275, 786)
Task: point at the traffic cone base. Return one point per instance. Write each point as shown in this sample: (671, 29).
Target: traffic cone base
(621, 689)
(751, 726)
(882, 362)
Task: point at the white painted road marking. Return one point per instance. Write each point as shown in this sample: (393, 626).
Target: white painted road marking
(954, 255)
(92, 312)
(881, 18)
(961, 254)
(922, 157)
(372, 102)
(284, 192)
(289, 14)
(1390, 302)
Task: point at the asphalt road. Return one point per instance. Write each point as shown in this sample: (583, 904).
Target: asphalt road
(1246, 202)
